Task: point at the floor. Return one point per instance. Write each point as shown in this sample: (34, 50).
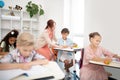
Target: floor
(77, 57)
(71, 74)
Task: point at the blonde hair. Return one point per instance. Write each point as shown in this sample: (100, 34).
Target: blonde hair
(25, 39)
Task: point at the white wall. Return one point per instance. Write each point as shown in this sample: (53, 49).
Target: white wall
(53, 10)
(103, 16)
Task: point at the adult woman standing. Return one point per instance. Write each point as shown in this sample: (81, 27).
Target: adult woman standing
(44, 41)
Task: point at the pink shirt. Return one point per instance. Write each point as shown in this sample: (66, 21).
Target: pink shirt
(100, 52)
(92, 71)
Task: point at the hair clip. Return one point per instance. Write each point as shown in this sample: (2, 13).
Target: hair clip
(12, 32)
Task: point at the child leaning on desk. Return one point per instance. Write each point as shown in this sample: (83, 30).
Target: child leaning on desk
(64, 56)
(24, 56)
(8, 43)
(95, 52)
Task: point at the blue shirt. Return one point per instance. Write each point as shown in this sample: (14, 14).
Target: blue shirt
(67, 42)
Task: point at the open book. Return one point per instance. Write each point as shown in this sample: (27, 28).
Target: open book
(10, 74)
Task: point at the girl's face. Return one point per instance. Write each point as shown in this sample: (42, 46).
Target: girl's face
(95, 41)
(64, 35)
(25, 50)
(12, 40)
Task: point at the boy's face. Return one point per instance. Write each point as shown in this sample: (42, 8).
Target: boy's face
(64, 35)
(25, 50)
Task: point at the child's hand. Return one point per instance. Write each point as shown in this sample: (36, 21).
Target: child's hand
(98, 59)
(25, 66)
(117, 57)
(44, 61)
(64, 46)
(60, 47)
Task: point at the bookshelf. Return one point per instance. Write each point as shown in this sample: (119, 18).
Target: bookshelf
(20, 21)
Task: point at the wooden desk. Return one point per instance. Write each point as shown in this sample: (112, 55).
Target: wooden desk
(52, 70)
(112, 64)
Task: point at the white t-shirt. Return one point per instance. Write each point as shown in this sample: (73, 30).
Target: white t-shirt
(3, 44)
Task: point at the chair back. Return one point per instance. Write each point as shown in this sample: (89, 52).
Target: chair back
(81, 59)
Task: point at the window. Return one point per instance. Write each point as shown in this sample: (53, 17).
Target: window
(74, 19)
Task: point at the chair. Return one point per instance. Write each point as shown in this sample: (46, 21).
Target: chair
(81, 59)
(55, 53)
(110, 78)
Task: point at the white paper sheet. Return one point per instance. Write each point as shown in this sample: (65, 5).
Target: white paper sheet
(10, 74)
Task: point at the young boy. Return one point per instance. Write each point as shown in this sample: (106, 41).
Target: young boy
(64, 56)
(24, 56)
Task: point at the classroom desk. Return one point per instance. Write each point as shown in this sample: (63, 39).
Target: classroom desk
(73, 50)
(52, 70)
(68, 49)
(113, 64)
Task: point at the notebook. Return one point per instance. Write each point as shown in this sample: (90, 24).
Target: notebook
(10, 74)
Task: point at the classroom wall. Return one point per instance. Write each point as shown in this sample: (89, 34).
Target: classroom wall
(103, 16)
(53, 10)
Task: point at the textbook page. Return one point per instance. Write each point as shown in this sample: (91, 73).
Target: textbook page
(10, 74)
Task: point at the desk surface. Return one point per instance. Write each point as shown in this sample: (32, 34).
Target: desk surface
(52, 70)
(68, 49)
(113, 64)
